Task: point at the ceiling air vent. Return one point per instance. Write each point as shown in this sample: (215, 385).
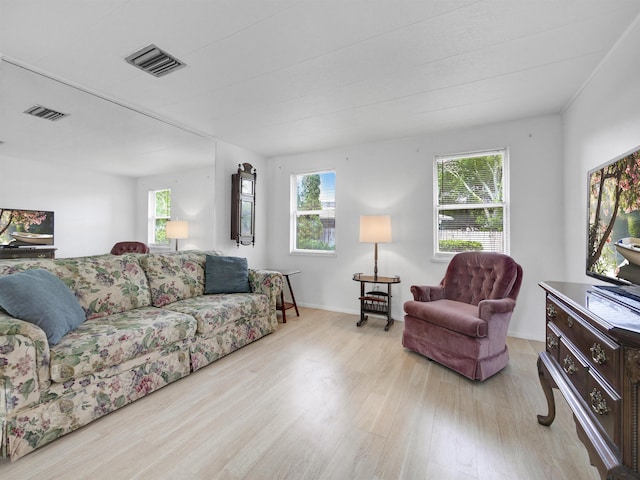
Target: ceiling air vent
(46, 113)
(154, 61)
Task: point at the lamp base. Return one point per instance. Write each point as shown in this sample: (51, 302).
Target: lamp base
(375, 261)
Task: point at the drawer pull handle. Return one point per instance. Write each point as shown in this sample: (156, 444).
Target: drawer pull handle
(598, 354)
(569, 365)
(598, 403)
(552, 342)
(551, 311)
(570, 322)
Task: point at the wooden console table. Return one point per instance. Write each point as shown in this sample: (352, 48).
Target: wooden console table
(375, 302)
(592, 357)
(27, 253)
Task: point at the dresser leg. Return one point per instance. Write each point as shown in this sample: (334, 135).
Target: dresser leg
(547, 388)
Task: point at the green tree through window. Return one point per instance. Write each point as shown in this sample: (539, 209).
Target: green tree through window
(471, 202)
(159, 214)
(314, 212)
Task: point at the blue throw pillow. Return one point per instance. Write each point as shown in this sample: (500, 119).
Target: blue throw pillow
(41, 298)
(226, 275)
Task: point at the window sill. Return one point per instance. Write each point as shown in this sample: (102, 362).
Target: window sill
(314, 253)
(160, 248)
(442, 258)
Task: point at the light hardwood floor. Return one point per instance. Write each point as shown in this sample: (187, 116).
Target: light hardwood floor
(324, 399)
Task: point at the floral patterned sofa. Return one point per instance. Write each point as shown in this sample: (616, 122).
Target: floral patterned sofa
(148, 323)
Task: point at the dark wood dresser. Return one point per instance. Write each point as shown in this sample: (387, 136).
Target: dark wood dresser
(592, 357)
(27, 253)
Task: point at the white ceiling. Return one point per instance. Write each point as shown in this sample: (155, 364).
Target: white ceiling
(284, 76)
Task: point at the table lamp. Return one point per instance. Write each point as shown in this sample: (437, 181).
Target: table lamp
(177, 229)
(375, 229)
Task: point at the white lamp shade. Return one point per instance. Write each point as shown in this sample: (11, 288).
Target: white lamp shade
(177, 229)
(375, 228)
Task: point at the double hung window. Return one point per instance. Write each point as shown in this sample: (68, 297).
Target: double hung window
(313, 212)
(159, 214)
(471, 202)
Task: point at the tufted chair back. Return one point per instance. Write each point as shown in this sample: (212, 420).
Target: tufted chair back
(121, 248)
(475, 276)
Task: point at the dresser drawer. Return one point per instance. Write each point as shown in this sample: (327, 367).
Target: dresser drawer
(574, 366)
(601, 353)
(553, 340)
(605, 404)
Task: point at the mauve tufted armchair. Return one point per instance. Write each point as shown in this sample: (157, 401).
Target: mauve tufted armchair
(462, 323)
(121, 248)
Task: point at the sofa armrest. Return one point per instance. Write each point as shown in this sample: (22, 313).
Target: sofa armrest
(488, 308)
(24, 363)
(426, 293)
(269, 283)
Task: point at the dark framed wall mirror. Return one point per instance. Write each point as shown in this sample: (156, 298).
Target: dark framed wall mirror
(243, 205)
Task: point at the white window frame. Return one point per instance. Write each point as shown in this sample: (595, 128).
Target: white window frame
(295, 213)
(446, 256)
(151, 225)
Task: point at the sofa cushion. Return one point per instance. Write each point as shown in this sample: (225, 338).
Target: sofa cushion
(215, 311)
(174, 276)
(106, 284)
(39, 297)
(9, 267)
(226, 275)
(106, 341)
(103, 284)
(456, 316)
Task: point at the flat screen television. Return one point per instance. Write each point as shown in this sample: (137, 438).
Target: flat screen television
(613, 226)
(25, 228)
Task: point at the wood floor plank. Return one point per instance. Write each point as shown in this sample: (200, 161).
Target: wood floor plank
(323, 399)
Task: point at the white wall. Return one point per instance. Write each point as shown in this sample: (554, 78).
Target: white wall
(192, 199)
(228, 157)
(396, 178)
(602, 123)
(203, 198)
(92, 210)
